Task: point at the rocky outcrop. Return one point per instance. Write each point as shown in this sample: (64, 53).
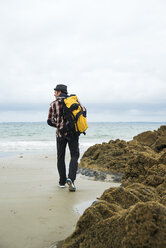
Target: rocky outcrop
(107, 225)
(156, 139)
(114, 156)
(134, 214)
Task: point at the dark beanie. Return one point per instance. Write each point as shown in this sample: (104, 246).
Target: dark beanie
(62, 88)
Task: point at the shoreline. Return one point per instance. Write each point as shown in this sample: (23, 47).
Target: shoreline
(35, 212)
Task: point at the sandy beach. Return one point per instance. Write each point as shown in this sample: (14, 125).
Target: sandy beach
(34, 211)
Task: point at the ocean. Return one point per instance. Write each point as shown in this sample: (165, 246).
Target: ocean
(38, 137)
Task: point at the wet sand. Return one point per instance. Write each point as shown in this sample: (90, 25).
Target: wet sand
(34, 211)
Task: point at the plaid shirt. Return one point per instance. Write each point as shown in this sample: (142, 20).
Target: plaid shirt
(55, 115)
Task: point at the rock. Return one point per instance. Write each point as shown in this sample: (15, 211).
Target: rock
(160, 143)
(162, 158)
(156, 139)
(114, 156)
(130, 195)
(145, 226)
(146, 138)
(134, 214)
(106, 225)
(95, 226)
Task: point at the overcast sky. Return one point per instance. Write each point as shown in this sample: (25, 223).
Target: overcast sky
(111, 53)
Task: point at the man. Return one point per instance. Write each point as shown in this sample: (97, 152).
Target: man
(56, 119)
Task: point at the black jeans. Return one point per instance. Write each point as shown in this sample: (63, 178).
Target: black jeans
(74, 153)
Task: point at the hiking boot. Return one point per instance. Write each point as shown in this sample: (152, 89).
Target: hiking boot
(72, 187)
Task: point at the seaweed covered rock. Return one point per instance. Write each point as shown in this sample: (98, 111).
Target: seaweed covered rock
(147, 138)
(162, 157)
(145, 226)
(112, 222)
(133, 159)
(161, 189)
(150, 173)
(134, 214)
(138, 166)
(113, 156)
(104, 233)
(156, 175)
(130, 195)
(156, 139)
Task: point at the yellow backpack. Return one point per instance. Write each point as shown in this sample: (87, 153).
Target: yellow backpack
(74, 115)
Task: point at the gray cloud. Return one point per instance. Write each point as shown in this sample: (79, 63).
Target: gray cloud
(109, 52)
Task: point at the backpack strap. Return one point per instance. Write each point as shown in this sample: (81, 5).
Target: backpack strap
(78, 115)
(74, 106)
